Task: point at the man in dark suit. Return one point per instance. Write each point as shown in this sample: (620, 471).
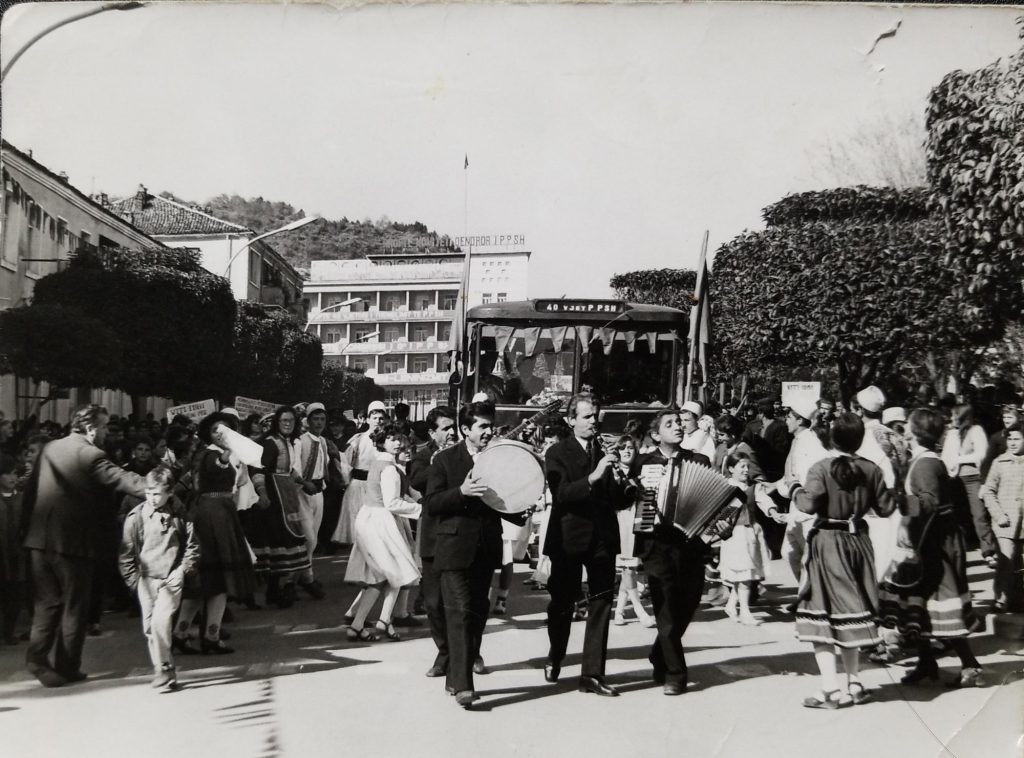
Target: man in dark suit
(583, 532)
(73, 486)
(674, 563)
(467, 545)
(441, 426)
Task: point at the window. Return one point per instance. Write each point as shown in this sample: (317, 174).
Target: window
(441, 396)
(390, 367)
(486, 298)
(446, 332)
(391, 303)
(420, 365)
(333, 300)
(332, 335)
(421, 333)
(254, 267)
(360, 333)
(359, 364)
(422, 302)
(391, 334)
(448, 301)
(502, 297)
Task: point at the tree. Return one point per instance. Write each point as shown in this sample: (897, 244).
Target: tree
(174, 320)
(274, 359)
(850, 281)
(672, 287)
(348, 389)
(976, 170)
(60, 345)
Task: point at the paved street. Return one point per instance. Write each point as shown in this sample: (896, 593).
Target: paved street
(297, 687)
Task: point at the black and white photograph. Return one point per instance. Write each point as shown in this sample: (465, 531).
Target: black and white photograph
(469, 379)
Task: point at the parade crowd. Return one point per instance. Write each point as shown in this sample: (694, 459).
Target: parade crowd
(873, 507)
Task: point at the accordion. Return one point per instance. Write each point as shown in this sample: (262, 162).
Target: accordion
(702, 498)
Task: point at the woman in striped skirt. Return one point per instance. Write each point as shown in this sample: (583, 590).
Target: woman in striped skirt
(839, 595)
(939, 607)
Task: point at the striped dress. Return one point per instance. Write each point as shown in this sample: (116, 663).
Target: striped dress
(940, 606)
(839, 592)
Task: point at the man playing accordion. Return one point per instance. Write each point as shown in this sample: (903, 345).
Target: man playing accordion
(673, 561)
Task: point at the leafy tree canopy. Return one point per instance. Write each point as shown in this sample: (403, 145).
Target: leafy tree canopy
(348, 389)
(173, 319)
(274, 359)
(976, 171)
(672, 287)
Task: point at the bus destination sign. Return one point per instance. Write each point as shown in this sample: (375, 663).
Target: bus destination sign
(581, 306)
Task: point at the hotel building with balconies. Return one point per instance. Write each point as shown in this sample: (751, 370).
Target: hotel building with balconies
(398, 328)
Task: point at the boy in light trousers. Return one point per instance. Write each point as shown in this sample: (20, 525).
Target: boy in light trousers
(158, 550)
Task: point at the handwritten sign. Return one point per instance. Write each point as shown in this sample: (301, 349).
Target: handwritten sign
(247, 406)
(194, 411)
(808, 392)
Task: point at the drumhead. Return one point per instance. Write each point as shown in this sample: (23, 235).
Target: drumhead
(513, 475)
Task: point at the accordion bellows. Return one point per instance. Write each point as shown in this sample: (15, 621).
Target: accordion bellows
(703, 498)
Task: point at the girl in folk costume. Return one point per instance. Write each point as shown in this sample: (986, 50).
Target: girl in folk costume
(745, 556)
(359, 454)
(839, 591)
(272, 526)
(381, 554)
(225, 566)
(939, 606)
(626, 561)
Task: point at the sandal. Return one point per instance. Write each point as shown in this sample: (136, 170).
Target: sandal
(361, 635)
(860, 695)
(829, 703)
(389, 631)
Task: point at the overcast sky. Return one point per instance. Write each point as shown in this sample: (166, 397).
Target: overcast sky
(609, 136)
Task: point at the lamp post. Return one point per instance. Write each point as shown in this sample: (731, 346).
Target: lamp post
(342, 304)
(64, 22)
(286, 228)
(358, 339)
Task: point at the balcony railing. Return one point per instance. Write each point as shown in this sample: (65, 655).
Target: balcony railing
(373, 316)
(398, 347)
(423, 377)
(450, 272)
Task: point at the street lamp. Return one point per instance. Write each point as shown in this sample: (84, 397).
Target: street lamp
(357, 339)
(342, 304)
(286, 228)
(65, 22)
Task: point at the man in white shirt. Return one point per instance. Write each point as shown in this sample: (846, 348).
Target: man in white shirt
(311, 463)
(694, 438)
(805, 451)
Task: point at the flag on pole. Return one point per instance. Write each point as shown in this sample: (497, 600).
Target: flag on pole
(456, 342)
(700, 327)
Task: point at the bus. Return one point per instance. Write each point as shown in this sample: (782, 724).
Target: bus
(527, 354)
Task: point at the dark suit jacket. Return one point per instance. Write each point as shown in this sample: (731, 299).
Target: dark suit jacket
(581, 515)
(75, 479)
(419, 478)
(467, 531)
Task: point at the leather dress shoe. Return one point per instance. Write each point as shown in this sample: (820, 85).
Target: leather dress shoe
(74, 676)
(480, 668)
(674, 688)
(552, 671)
(466, 698)
(46, 676)
(596, 685)
(435, 671)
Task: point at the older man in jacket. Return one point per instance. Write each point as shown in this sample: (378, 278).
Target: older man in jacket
(71, 486)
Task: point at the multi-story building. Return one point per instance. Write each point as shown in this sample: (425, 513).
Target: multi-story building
(399, 322)
(256, 271)
(45, 219)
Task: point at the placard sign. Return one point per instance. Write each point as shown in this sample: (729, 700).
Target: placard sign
(809, 392)
(194, 411)
(247, 406)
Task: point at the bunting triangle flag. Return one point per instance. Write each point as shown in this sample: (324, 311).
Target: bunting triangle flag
(502, 336)
(558, 337)
(630, 338)
(652, 341)
(607, 335)
(586, 333)
(531, 336)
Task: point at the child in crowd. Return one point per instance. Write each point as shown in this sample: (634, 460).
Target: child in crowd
(626, 561)
(158, 549)
(1003, 495)
(13, 568)
(27, 458)
(745, 554)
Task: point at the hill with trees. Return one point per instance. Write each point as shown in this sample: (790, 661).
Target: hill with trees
(326, 240)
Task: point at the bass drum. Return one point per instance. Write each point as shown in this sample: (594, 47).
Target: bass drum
(513, 474)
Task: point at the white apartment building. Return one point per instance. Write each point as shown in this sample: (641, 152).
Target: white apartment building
(398, 328)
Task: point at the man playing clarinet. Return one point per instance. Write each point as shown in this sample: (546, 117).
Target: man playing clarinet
(586, 490)
(674, 563)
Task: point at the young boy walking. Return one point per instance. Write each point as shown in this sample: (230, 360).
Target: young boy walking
(158, 550)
